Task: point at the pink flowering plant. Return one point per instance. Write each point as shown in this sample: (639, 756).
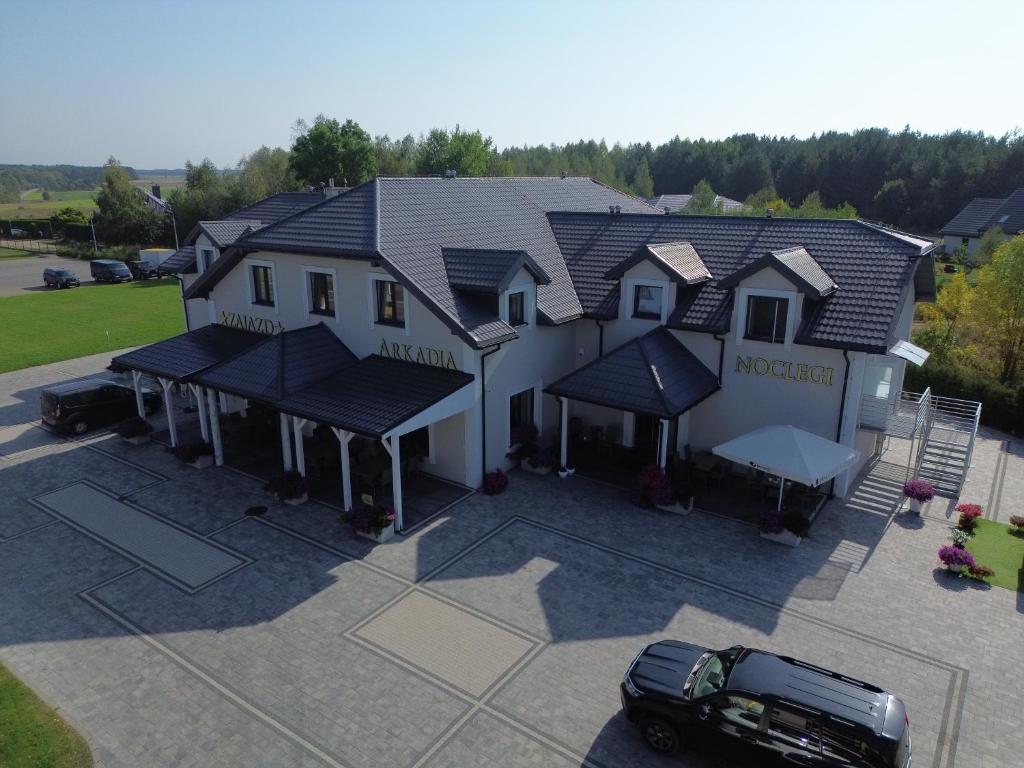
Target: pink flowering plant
(969, 514)
(919, 490)
(956, 558)
(654, 488)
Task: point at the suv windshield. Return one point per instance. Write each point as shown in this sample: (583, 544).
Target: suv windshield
(711, 673)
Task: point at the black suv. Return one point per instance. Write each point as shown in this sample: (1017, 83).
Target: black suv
(764, 704)
(142, 270)
(79, 406)
(58, 277)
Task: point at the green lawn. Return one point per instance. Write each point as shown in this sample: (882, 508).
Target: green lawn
(997, 546)
(45, 327)
(32, 205)
(32, 735)
(14, 253)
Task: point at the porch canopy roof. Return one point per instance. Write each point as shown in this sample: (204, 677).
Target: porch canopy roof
(377, 395)
(184, 356)
(789, 452)
(652, 374)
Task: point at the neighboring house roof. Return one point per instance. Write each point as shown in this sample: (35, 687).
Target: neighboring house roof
(277, 206)
(676, 203)
(795, 264)
(983, 213)
(680, 261)
(182, 357)
(281, 364)
(873, 266)
(404, 223)
(224, 233)
(654, 374)
(488, 271)
(182, 261)
(157, 204)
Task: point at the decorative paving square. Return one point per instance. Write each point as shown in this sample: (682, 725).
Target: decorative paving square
(451, 644)
(25, 437)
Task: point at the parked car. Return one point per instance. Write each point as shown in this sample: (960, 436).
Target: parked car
(16, 232)
(109, 271)
(59, 277)
(142, 270)
(80, 406)
(767, 705)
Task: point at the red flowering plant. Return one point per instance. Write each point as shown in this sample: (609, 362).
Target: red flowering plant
(969, 514)
(654, 488)
(495, 482)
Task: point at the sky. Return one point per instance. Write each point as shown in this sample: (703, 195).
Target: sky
(157, 83)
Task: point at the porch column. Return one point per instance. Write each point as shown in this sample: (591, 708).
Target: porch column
(564, 436)
(218, 448)
(663, 443)
(300, 448)
(165, 385)
(344, 438)
(396, 476)
(197, 392)
(137, 384)
(286, 443)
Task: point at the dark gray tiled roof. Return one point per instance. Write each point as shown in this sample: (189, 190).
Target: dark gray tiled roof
(872, 265)
(983, 213)
(280, 364)
(680, 261)
(182, 357)
(795, 264)
(653, 374)
(487, 271)
(405, 223)
(277, 206)
(224, 233)
(182, 261)
(375, 395)
(676, 203)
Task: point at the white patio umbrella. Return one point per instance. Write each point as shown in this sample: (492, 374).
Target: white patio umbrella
(790, 453)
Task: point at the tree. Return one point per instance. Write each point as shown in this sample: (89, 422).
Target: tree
(329, 150)
(395, 158)
(990, 241)
(46, 194)
(997, 306)
(702, 199)
(892, 202)
(643, 182)
(69, 215)
(947, 317)
(122, 215)
(467, 153)
(263, 173)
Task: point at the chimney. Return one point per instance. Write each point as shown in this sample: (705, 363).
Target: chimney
(451, 173)
(562, 174)
(618, 209)
(668, 211)
(611, 209)
(768, 213)
(156, 191)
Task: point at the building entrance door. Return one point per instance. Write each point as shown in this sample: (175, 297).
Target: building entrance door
(645, 437)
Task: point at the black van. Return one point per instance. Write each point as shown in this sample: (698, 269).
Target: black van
(765, 705)
(79, 406)
(109, 271)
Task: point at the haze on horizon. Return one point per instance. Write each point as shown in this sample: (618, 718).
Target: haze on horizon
(159, 83)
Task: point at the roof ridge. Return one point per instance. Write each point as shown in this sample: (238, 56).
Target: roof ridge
(659, 387)
(289, 217)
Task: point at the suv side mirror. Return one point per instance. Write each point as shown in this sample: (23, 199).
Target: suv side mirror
(705, 711)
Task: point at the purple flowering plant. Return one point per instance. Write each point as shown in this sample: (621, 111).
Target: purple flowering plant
(918, 489)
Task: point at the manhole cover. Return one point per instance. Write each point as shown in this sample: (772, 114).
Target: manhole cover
(256, 511)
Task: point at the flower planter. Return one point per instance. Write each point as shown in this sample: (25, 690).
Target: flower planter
(138, 439)
(385, 534)
(677, 507)
(201, 462)
(296, 500)
(536, 470)
(788, 538)
(915, 506)
(563, 473)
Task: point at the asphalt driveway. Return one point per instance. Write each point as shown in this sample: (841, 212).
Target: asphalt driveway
(495, 635)
(26, 274)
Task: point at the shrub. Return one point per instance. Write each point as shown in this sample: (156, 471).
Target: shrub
(544, 457)
(288, 485)
(919, 489)
(654, 488)
(795, 522)
(495, 482)
(954, 557)
(133, 426)
(960, 537)
(1002, 406)
(1017, 522)
(189, 452)
(372, 520)
(771, 520)
(980, 572)
(969, 514)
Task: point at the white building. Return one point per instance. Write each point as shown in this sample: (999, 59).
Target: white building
(455, 311)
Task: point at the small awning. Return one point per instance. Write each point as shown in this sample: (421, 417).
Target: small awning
(377, 395)
(789, 452)
(653, 374)
(181, 262)
(909, 352)
(182, 357)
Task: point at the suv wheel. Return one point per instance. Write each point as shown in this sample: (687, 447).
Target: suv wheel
(660, 735)
(79, 426)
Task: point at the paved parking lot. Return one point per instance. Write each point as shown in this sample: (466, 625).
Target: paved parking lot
(19, 275)
(495, 635)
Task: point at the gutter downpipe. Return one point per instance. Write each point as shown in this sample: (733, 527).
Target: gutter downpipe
(842, 412)
(721, 355)
(600, 338)
(184, 301)
(483, 406)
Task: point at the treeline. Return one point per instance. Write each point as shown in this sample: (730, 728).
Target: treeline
(15, 179)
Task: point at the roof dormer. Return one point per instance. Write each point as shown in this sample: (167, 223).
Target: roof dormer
(679, 261)
(795, 265)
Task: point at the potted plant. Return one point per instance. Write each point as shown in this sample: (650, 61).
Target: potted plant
(969, 514)
(541, 462)
(955, 559)
(960, 537)
(135, 430)
(1017, 523)
(495, 482)
(918, 492)
(198, 454)
(290, 487)
(375, 522)
(774, 527)
(563, 471)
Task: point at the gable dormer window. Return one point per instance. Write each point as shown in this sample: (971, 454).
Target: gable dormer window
(647, 301)
(517, 308)
(766, 319)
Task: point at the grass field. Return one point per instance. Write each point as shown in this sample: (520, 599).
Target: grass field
(46, 327)
(997, 546)
(167, 183)
(32, 205)
(14, 253)
(32, 735)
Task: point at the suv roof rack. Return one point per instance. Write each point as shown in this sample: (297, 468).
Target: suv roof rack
(833, 675)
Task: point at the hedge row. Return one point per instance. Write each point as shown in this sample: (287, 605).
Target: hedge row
(1002, 406)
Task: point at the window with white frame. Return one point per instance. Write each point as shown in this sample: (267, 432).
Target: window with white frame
(390, 298)
(517, 308)
(767, 317)
(205, 259)
(321, 293)
(647, 301)
(262, 284)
